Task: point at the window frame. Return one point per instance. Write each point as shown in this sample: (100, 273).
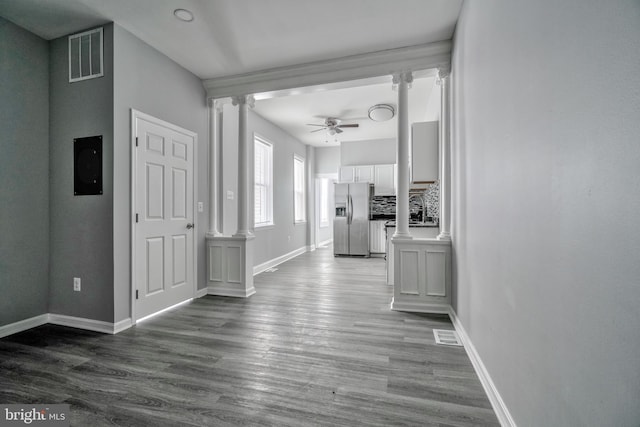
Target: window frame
(297, 159)
(268, 221)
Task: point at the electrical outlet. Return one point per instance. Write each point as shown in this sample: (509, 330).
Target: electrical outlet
(289, 238)
(200, 207)
(229, 195)
(77, 284)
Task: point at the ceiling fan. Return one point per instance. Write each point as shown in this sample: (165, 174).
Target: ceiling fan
(333, 126)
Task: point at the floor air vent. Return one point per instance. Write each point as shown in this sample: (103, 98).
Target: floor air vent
(444, 337)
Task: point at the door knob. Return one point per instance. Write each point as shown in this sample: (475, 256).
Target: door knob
(190, 226)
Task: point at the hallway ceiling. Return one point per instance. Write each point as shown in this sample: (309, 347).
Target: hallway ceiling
(233, 37)
(240, 36)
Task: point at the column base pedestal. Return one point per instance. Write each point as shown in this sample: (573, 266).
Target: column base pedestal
(230, 266)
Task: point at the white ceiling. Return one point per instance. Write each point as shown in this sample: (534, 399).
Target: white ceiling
(229, 37)
(350, 104)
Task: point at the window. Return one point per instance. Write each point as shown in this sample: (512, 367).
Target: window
(263, 186)
(324, 202)
(298, 189)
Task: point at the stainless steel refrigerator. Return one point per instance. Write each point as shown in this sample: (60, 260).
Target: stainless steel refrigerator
(351, 222)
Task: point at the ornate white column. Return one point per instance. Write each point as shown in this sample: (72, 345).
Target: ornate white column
(230, 258)
(403, 80)
(245, 166)
(215, 116)
(445, 154)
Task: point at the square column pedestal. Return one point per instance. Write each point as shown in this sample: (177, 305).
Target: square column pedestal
(422, 275)
(230, 266)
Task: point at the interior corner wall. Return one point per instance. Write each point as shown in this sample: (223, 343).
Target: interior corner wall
(81, 233)
(24, 174)
(545, 230)
(148, 81)
(369, 152)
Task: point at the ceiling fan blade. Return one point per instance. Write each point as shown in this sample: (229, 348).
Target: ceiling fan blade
(338, 130)
(354, 125)
(317, 130)
(313, 124)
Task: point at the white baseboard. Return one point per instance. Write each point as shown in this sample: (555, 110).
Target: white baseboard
(122, 325)
(23, 325)
(325, 243)
(279, 260)
(311, 248)
(499, 407)
(82, 323)
(420, 307)
(230, 292)
(62, 320)
(202, 292)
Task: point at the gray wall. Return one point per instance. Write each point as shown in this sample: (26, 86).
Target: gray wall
(81, 242)
(148, 81)
(284, 236)
(371, 152)
(546, 159)
(327, 160)
(24, 174)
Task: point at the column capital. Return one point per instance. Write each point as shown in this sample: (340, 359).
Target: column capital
(243, 99)
(443, 73)
(403, 77)
(216, 104)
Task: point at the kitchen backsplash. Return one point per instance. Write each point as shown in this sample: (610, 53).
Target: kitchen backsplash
(386, 205)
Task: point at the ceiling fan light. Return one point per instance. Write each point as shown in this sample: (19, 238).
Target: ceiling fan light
(381, 112)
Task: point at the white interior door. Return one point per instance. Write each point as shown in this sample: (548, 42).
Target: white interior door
(163, 203)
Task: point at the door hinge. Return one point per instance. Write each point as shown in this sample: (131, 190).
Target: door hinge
(136, 294)
(136, 217)
(136, 141)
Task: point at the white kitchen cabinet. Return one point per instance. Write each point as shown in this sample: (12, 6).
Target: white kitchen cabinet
(363, 173)
(377, 238)
(424, 152)
(347, 174)
(384, 180)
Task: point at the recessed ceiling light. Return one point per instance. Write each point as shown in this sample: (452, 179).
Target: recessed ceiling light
(183, 15)
(381, 112)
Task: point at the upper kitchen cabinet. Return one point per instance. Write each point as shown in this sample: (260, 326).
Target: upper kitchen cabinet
(424, 152)
(356, 174)
(384, 182)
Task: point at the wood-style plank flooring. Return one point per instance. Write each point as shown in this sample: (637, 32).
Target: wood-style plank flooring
(316, 345)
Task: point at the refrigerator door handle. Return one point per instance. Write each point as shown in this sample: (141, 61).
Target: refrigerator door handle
(350, 210)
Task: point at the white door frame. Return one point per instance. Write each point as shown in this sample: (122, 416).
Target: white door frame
(135, 115)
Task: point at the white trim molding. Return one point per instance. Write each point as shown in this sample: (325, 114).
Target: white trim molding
(419, 307)
(499, 407)
(62, 320)
(279, 260)
(374, 64)
(23, 325)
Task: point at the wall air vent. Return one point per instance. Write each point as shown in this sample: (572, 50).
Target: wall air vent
(445, 337)
(85, 55)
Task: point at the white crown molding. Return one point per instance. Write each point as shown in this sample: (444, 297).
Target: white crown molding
(366, 65)
(499, 407)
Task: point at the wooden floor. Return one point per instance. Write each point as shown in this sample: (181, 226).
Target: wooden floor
(316, 345)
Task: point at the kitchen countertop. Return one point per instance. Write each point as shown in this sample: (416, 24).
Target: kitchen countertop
(412, 224)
